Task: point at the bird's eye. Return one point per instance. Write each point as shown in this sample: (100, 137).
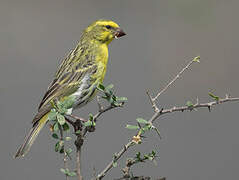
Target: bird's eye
(108, 26)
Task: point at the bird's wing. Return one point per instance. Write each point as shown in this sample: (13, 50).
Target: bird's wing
(68, 79)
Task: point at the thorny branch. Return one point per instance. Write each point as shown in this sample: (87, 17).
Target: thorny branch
(208, 105)
(158, 113)
(155, 116)
(196, 59)
(153, 99)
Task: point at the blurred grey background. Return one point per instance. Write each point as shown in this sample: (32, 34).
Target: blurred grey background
(162, 36)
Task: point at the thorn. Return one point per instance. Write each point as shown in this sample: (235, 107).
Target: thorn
(227, 96)
(152, 101)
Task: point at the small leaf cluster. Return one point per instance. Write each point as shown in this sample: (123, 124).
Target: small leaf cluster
(196, 59)
(190, 105)
(150, 156)
(67, 172)
(90, 122)
(109, 95)
(60, 108)
(60, 125)
(143, 126)
(56, 129)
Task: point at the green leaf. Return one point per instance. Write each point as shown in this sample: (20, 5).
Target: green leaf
(110, 86)
(57, 146)
(67, 172)
(150, 158)
(146, 156)
(54, 135)
(68, 138)
(66, 127)
(108, 92)
(62, 110)
(114, 98)
(64, 171)
(213, 96)
(110, 100)
(62, 150)
(138, 154)
(68, 151)
(132, 127)
(69, 102)
(91, 117)
(153, 153)
(88, 123)
(101, 87)
(122, 99)
(78, 132)
(196, 59)
(61, 147)
(52, 115)
(61, 119)
(142, 121)
(114, 164)
(146, 128)
(116, 104)
(61, 143)
(189, 104)
(56, 127)
(71, 174)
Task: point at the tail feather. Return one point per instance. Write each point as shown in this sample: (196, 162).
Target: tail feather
(32, 135)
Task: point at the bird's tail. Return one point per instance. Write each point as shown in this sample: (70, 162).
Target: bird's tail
(32, 135)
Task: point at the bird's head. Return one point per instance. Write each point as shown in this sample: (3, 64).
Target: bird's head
(104, 31)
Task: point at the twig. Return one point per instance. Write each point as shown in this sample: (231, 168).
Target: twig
(80, 137)
(129, 163)
(154, 106)
(78, 160)
(117, 156)
(65, 164)
(65, 156)
(208, 105)
(196, 59)
(135, 178)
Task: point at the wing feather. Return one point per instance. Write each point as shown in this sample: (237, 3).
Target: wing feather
(68, 77)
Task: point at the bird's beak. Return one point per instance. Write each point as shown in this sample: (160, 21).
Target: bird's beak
(119, 33)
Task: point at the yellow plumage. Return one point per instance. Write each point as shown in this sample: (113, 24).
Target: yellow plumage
(78, 75)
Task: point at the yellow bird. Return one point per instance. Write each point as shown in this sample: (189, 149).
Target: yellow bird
(78, 75)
